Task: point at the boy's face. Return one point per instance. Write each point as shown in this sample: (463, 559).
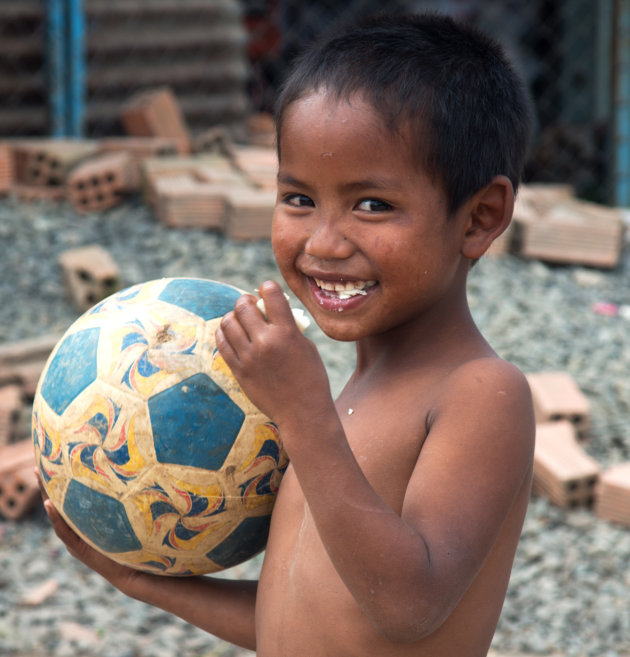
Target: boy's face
(361, 236)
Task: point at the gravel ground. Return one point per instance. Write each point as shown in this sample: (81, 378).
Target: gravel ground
(570, 588)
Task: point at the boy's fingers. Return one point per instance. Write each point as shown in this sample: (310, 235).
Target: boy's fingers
(246, 311)
(231, 332)
(74, 544)
(275, 302)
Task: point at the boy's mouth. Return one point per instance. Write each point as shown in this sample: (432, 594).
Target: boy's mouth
(344, 289)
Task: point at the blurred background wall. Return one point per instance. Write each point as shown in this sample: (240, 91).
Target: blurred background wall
(67, 66)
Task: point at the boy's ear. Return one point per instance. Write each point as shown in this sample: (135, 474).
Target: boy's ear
(490, 214)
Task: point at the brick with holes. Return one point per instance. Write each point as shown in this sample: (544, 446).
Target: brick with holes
(563, 471)
(18, 483)
(47, 162)
(557, 396)
(90, 274)
(102, 181)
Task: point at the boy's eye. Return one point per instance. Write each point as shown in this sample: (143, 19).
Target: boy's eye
(298, 201)
(373, 205)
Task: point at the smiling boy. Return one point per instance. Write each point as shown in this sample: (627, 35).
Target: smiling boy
(400, 148)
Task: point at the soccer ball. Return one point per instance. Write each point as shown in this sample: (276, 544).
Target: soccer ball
(144, 440)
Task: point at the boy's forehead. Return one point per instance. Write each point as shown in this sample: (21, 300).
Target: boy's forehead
(320, 111)
(320, 117)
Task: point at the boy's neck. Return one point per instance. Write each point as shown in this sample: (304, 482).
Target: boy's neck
(430, 340)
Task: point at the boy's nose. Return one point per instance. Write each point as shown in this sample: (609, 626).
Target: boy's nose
(329, 242)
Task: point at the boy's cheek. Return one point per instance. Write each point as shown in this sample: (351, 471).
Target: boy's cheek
(285, 247)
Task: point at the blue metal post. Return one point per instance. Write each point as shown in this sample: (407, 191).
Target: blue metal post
(622, 105)
(55, 40)
(75, 84)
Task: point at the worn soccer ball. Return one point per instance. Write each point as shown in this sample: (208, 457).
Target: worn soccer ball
(144, 440)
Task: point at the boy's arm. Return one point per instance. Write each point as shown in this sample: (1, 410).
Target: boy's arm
(406, 570)
(221, 607)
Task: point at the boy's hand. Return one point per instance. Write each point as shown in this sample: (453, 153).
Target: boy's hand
(221, 607)
(278, 368)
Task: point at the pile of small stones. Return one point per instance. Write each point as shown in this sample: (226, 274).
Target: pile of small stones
(570, 589)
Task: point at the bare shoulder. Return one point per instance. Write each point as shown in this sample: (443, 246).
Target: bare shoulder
(483, 413)
(488, 383)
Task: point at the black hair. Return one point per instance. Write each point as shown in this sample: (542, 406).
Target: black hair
(451, 85)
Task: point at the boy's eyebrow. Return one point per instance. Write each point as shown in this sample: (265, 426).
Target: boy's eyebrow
(375, 182)
(289, 180)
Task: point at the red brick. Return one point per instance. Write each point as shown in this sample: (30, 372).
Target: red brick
(556, 227)
(19, 490)
(195, 167)
(563, 471)
(47, 162)
(156, 113)
(259, 165)
(184, 202)
(90, 274)
(250, 213)
(18, 484)
(7, 172)
(613, 494)
(102, 181)
(557, 396)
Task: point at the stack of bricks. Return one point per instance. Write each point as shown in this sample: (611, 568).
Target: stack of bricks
(219, 187)
(613, 494)
(563, 471)
(203, 168)
(554, 226)
(206, 191)
(21, 364)
(90, 275)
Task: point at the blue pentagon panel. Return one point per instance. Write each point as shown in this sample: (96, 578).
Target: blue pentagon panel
(100, 518)
(194, 423)
(72, 369)
(246, 541)
(208, 299)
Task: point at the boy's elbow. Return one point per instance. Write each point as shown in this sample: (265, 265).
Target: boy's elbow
(404, 626)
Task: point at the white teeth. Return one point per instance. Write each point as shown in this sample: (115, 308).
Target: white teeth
(345, 290)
